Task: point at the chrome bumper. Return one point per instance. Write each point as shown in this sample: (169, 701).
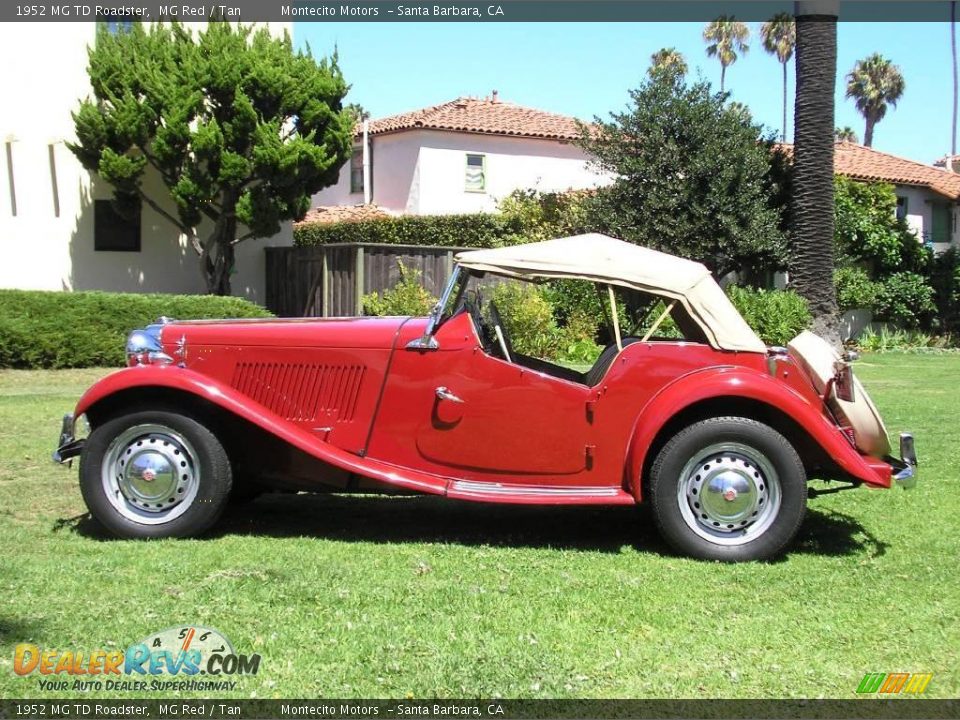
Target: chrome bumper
(905, 474)
(68, 447)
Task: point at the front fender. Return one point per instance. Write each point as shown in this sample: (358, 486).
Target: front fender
(227, 398)
(748, 384)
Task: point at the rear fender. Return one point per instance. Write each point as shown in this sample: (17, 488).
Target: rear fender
(225, 397)
(715, 383)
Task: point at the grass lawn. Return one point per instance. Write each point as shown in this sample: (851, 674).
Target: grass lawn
(376, 597)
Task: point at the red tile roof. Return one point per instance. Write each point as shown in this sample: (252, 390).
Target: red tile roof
(344, 213)
(489, 116)
(859, 162)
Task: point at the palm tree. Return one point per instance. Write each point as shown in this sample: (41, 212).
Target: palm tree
(845, 134)
(725, 37)
(874, 83)
(811, 216)
(779, 37)
(668, 59)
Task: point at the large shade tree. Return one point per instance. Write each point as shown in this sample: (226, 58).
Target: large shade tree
(240, 129)
(779, 37)
(691, 175)
(726, 40)
(875, 84)
(812, 213)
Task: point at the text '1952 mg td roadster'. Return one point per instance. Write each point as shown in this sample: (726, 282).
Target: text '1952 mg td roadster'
(718, 432)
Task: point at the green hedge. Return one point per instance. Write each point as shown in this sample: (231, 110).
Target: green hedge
(478, 230)
(89, 329)
(777, 316)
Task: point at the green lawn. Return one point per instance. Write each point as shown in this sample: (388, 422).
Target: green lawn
(374, 597)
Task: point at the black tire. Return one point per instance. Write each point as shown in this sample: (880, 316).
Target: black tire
(715, 458)
(194, 506)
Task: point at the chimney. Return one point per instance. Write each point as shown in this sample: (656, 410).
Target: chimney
(494, 98)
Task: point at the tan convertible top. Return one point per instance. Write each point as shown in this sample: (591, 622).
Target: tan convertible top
(604, 259)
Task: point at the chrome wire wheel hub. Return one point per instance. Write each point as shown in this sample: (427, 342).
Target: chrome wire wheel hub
(150, 474)
(729, 493)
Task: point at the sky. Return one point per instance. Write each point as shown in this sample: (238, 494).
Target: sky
(586, 69)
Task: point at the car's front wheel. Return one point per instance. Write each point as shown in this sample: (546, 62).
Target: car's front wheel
(728, 488)
(154, 474)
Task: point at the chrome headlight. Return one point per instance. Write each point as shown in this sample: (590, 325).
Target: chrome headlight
(144, 347)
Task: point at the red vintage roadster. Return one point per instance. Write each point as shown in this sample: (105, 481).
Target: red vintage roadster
(719, 433)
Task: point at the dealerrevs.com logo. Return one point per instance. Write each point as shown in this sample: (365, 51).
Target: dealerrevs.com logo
(171, 659)
(894, 683)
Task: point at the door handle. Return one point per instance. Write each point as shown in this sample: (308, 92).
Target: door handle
(443, 394)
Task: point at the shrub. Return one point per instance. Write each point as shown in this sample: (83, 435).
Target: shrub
(407, 297)
(898, 340)
(855, 289)
(946, 283)
(478, 230)
(905, 299)
(88, 329)
(776, 316)
(528, 318)
(867, 229)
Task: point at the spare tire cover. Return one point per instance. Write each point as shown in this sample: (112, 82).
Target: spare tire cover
(817, 357)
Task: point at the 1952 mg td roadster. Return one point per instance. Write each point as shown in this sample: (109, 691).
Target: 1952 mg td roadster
(718, 432)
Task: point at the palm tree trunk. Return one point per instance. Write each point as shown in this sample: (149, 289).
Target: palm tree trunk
(723, 75)
(783, 136)
(812, 210)
(953, 54)
(868, 131)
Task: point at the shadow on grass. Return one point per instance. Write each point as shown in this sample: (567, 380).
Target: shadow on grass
(12, 630)
(428, 519)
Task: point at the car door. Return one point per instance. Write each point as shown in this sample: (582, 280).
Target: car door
(459, 412)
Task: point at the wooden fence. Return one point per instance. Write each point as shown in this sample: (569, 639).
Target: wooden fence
(330, 280)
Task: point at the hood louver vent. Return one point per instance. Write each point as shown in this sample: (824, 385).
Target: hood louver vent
(302, 392)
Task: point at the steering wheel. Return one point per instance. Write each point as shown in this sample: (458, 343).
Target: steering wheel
(501, 332)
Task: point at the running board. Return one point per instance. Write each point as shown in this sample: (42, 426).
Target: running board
(537, 494)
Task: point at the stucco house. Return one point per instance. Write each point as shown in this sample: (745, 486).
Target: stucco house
(928, 197)
(459, 157)
(58, 230)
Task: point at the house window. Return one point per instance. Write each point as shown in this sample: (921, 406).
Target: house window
(476, 180)
(114, 232)
(901, 208)
(356, 169)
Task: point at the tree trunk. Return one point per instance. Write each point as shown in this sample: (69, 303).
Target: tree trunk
(218, 256)
(783, 135)
(953, 55)
(868, 131)
(723, 75)
(812, 209)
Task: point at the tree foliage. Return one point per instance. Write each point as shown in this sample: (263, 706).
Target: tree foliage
(690, 176)
(868, 231)
(241, 130)
(668, 59)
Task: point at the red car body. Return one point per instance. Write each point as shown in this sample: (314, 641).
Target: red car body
(444, 406)
(365, 403)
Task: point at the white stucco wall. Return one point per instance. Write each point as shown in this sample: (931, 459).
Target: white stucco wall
(423, 171)
(38, 249)
(920, 207)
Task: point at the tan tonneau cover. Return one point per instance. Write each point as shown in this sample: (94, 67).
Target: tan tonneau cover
(604, 259)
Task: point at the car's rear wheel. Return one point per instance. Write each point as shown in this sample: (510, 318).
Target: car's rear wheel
(730, 489)
(154, 474)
